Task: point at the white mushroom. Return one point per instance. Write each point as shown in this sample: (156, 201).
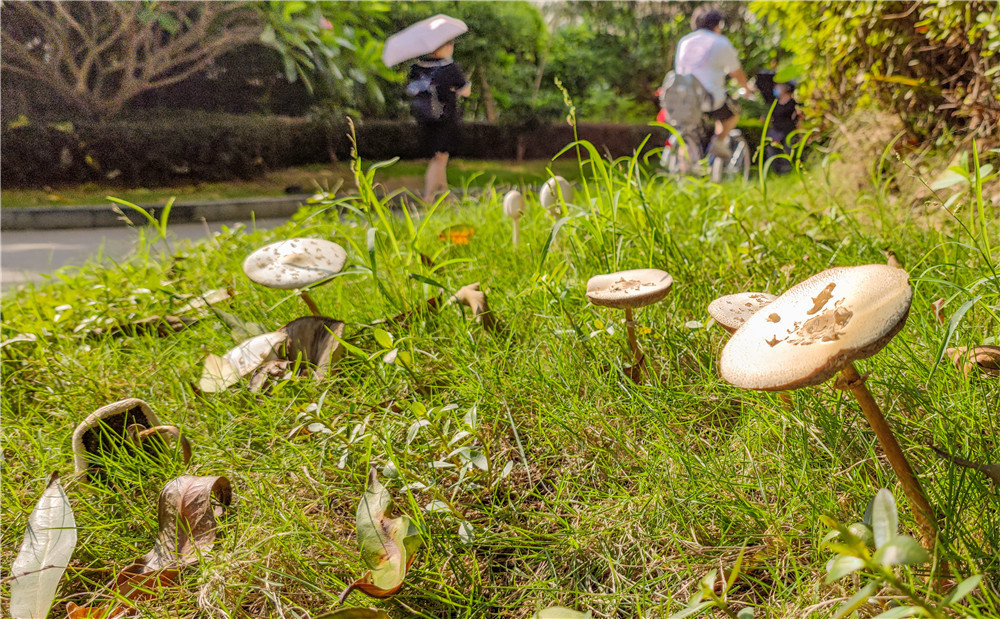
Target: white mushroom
(732, 310)
(818, 328)
(550, 193)
(513, 207)
(295, 263)
(627, 290)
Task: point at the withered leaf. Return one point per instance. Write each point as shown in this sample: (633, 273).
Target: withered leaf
(161, 326)
(990, 470)
(206, 299)
(388, 545)
(187, 529)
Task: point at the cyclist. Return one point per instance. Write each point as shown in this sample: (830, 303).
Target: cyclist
(711, 58)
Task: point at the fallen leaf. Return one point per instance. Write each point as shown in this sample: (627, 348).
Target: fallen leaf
(984, 359)
(241, 329)
(222, 372)
(187, 529)
(459, 234)
(48, 545)
(275, 369)
(20, 337)
(206, 299)
(937, 306)
(388, 546)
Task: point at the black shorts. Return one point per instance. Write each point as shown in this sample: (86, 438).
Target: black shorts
(443, 136)
(728, 109)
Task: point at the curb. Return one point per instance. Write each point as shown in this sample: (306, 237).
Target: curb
(63, 217)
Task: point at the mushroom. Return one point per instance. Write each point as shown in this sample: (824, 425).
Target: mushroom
(475, 299)
(294, 264)
(628, 290)
(513, 207)
(732, 310)
(247, 356)
(549, 194)
(123, 426)
(818, 328)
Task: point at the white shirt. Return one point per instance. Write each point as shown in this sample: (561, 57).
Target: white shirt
(710, 57)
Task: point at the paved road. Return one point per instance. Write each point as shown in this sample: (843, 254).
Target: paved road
(29, 255)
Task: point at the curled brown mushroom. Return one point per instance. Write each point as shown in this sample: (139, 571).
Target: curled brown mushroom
(984, 360)
(817, 329)
(475, 299)
(121, 428)
(295, 264)
(628, 290)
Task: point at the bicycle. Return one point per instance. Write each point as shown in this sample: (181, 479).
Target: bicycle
(737, 165)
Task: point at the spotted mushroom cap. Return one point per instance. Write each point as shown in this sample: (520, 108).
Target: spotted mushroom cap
(732, 310)
(817, 327)
(294, 263)
(549, 196)
(635, 288)
(513, 204)
(117, 417)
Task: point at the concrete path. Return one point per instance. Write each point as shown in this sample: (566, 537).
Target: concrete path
(29, 255)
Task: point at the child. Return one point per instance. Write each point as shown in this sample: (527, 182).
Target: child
(784, 120)
(438, 138)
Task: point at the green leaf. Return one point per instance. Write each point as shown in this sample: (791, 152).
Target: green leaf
(899, 611)
(842, 566)
(855, 602)
(962, 589)
(902, 550)
(691, 611)
(387, 545)
(745, 613)
(383, 338)
(885, 518)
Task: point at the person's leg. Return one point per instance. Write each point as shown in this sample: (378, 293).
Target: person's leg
(723, 127)
(436, 177)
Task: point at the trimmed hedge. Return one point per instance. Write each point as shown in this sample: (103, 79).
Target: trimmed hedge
(201, 147)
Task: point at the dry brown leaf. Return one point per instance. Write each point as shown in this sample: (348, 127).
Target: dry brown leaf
(206, 299)
(187, 527)
(984, 359)
(938, 306)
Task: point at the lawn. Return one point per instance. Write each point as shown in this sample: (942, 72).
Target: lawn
(578, 486)
(305, 179)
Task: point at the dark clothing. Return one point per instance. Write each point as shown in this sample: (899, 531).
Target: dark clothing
(442, 136)
(784, 118)
(448, 78)
(728, 109)
(783, 122)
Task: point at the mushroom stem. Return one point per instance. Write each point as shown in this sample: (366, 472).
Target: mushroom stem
(921, 507)
(517, 234)
(312, 304)
(630, 329)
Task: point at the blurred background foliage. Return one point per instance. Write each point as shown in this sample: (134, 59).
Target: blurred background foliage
(934, 64)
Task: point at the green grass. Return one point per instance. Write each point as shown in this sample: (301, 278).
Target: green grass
(631, 493)
(308, 179)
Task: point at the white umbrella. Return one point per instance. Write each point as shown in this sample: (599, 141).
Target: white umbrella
(421, 38)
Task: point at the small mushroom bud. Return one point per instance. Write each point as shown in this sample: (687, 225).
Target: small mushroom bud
(475, 299)
(550, 192)
(513, 207)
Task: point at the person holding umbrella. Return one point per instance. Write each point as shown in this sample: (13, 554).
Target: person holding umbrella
(435, 83)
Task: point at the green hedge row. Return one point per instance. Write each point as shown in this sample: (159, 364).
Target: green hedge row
(202, 147)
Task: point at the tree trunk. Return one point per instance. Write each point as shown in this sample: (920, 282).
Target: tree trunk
(488, 100)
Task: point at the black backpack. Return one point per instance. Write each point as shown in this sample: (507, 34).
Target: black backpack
(425, 105)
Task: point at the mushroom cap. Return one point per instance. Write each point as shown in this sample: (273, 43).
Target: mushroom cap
(549, 195)
(513, 204)
(117, 417)
(732, 310)
(817, 327)
(294, 263)
(624, 289)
